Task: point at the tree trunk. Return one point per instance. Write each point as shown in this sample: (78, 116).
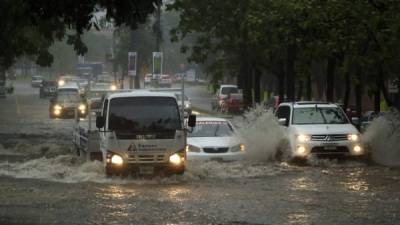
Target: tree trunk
(308, 87)
(256, 85)
(358, 94)
(300, 91)
(281, 81)
(330, 79)
(382, 86)
(290, 72)
(346, 90)
(377, 94)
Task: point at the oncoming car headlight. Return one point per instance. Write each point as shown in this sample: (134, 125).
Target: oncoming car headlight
(352, 137)
(303, 138)
(113, 87)
(191, 148)
(61, 82)
(82, 107)
(238, 148)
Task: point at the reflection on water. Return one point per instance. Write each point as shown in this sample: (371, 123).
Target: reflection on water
(177, 193)
(355, 181)
(116, 199)
(303, 183)
(299, 218)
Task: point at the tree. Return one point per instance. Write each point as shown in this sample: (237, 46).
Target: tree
(30, 27)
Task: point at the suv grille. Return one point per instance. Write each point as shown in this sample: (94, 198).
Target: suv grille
(330, 137)
(215, 150)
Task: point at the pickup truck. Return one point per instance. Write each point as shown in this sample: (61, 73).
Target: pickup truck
(137, 132)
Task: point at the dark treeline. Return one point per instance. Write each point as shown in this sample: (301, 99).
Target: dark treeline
(355, 43)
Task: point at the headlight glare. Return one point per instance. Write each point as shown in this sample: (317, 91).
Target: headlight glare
(175, 159)
(61, 83)
(82, 107)
(113, 87)
(303, 138)
(238, 148)
(352, 137)
(57, 107)
(117, 160)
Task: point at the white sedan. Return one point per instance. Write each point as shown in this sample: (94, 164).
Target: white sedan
(214, 139)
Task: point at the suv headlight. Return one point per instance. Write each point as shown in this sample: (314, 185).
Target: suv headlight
(303, 138)
(238, 148)
(191, 148)
(117, 160)
(353, 137)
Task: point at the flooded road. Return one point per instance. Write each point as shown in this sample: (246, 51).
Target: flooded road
(43, 182)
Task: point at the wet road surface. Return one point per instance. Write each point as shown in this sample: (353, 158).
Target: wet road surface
(42, 182)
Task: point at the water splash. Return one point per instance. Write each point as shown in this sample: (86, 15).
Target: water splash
(382, 139)
(262, 134)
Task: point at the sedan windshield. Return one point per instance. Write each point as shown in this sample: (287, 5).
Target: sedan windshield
(130, 115)
(317, 115)
(212, 129)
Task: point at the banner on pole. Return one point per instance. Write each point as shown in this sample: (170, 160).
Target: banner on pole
(157, 64)
(132, 60)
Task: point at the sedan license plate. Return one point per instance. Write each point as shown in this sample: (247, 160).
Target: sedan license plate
(146, 170)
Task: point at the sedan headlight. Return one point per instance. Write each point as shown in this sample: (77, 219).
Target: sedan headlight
(238, 148)
(353, 137)
(303, 138)
(117, 160)
(191, 148)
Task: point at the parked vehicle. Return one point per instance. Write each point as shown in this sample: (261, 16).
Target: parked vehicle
(36, 81)
(3, 89)
(47, 88)
(147, 79)
(165, 81)
(67, 103)
(316, 128)
(138, 132)
(215, 139)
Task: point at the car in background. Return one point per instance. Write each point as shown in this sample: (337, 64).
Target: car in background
(47, 88)
(317, 128)
(186, 101)
(66, 102)
(214, 139)
(147, 79)
(165, 81)
(63, 80)
(103, 86)
(36, 81)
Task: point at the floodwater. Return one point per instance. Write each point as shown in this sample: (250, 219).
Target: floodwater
(43, 182)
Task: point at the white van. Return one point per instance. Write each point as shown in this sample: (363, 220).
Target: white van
(141, 132)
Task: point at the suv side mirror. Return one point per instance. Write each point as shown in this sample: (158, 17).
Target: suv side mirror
(192, 121)
(355, 120)
(282, 121)
(99, 122)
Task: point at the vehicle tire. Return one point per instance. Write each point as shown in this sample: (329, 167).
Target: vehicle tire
(109, 173)
(82, 154)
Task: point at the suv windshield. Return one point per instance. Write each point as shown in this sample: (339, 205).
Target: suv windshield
(211, 129)
(229, 90)
(131, 115)
(315, 115)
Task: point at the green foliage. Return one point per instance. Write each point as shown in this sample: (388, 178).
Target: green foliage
(30, 27)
